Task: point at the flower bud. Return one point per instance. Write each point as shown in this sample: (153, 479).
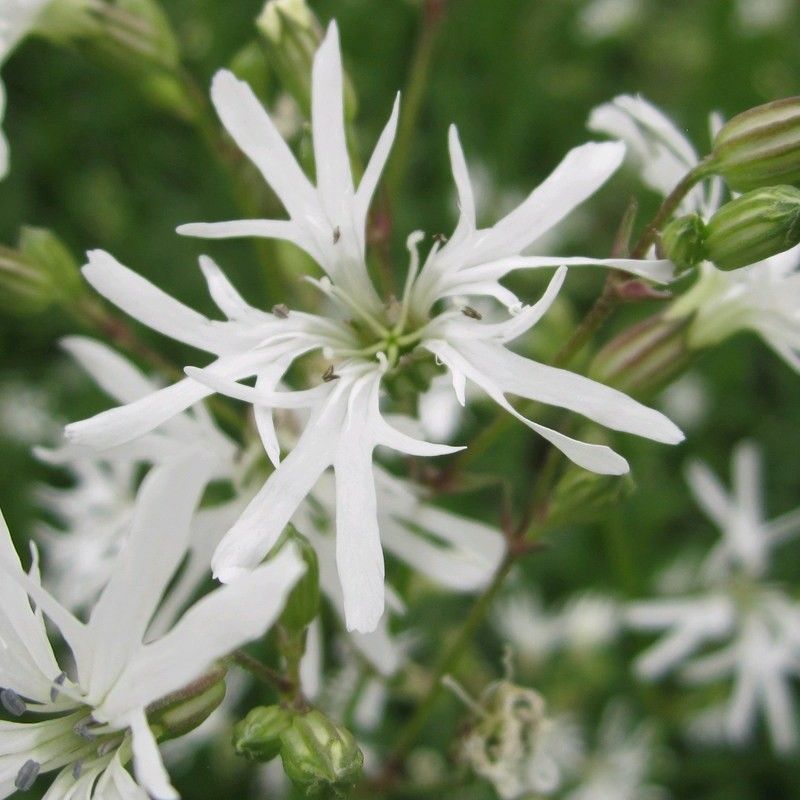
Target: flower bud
(258, 736)
(755, 226)
(582, 496)
(293, 33)
(316, 752)
(302, 604)
(760, 147)
(184, 710)
(683, 241)
(40, 273)
(644, 358)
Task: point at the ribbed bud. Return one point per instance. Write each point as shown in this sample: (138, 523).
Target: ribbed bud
(258, 736)
(755, 226)
(183, 711)
(683, 241)
(760, 147)
(581, 495)
(293, 33)
(644, 358)
(40, 273)
(302, 605)
(316, 752)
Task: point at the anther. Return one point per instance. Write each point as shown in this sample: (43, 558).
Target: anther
(82, 729)
(27, 775)
(440, 238)
(104, 748)
(329, 375)
(56, 687)
(281, 311)
(337, 234)
(469, 311)
(77, 769)
(13, 703)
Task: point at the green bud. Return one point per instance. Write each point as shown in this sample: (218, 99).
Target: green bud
(64, 21)
(181, 712)
(644, 358)
(755, 226)
(683, 241)
(250, 65)
(40, 273)
(760, 147)
(316, 752)
(258, 736)
(302, 605)
(292, 34)
(581, 495)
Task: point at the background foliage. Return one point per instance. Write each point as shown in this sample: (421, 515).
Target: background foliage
(93, 160)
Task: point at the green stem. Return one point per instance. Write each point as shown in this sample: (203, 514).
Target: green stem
(262, 672)
(408, 735)
(433, 15)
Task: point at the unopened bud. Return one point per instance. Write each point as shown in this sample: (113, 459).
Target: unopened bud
(181, 712)
(316, 752)
(39, 273)
(644, 358)
(581, 496)
(683, 241)
(258, 736)
(760, 147)
(755, 226)
(293, 33)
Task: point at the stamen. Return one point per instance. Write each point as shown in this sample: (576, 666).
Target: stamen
(82, 729)
(13, 703)
(440, 238)
(469, 311)
(337, 234)
(281, 311)
(27, 775)
(77, 769)
(329, 375)
(449, 682)
(56, 688)
(104, 748)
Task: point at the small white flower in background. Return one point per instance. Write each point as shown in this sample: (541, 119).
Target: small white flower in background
(604, 19)
(658, 149)
(25, 413)
(585, 622)
(763, 298)
(370, 339)
(118, 669)
(755, 17)
(620, 765)
(732, 623)
(687, 401)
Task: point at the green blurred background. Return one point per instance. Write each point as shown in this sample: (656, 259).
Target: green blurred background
(96, 162)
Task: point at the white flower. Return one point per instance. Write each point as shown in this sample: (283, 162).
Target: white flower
(345, 423)
(763, 297)
(732, 624)
(118, 670)
(619, 766)
(660, 151)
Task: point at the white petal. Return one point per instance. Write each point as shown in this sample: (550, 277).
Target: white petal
(311, 665)
(235, 229)
(256, 135)
(223, 620)
(334, 179)
(466, 199)
(113, 373)
(224, 294)
(150, 770)
(747, 480)
(565, 389)
(372, 174)
(157, 544)
(146, 303)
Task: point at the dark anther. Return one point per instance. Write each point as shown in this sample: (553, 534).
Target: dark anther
(56, 687)
(329, 375)
(13, 703)
(77, 769)
(469, 311)
(281, 310)
(337, 234)
(27, 774)
(440, 238)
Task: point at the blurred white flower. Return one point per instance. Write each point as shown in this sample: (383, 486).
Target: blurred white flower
(603, 19)
(619, 766)
(658, 149)
(755, 17)
(732, 623)
(763, 298)
(585, 622)
(119, 669)
(25, 413)
(686, 401)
